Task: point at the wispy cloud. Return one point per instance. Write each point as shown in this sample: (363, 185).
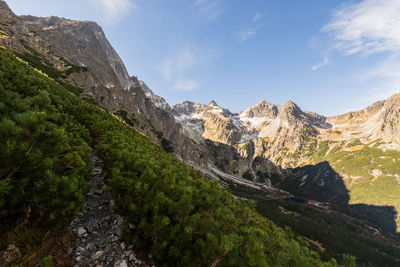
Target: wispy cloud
(367, 27)
(179, 62)
(246, 33)
(257, 17)
(177, 67)
(209, 9)
(321, 64)
(249, 30)
(185, 85)
(113, 10)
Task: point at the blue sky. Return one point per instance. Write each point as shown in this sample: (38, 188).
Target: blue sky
(328, 56)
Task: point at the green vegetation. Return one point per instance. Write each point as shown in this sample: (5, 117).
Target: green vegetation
(167, 145)
(36, 60)
(44, 159)
(329, 233)
(72, 68)
(182, 217)
(123, 114)
(46, 262)
(73, 89)
(355, 142)
(375, 171)
(368, 171)
(321, 151)
(44, 165)
(39, 63)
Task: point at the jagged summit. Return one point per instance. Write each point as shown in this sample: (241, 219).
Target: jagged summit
(263, 109)
(157, 100)
(213, 103)
(263, 102)
(290, 105)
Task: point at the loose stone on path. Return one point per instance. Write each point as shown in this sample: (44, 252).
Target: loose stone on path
(98, 227)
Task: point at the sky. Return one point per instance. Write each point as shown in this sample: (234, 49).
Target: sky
(327, 56)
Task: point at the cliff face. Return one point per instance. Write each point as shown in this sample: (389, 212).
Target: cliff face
(390, 119)
(70, 46)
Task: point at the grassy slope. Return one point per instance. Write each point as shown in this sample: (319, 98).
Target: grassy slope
(357, 166)
(355, 162)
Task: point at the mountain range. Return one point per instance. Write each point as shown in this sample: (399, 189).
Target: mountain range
(296, 165)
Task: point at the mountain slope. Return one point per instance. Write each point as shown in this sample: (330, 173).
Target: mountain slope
(78, 53)
(182, 217)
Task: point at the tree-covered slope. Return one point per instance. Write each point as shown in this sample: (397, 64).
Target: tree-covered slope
(184, 218)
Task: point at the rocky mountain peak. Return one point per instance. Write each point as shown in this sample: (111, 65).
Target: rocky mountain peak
(290, 105)
(290, 112)
(4, 6)
(158, 101)
(213, 104)
(263, 109)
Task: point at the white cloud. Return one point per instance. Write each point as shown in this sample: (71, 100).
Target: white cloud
(181, 61)
(384, 79)
(249, 30)
(370, 26)
(257, 17)
(185, 85)
(365, 28)
(113, 10)
(246, 33)
(209, 9)
(321, 64)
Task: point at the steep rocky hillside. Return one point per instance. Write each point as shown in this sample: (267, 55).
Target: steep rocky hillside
(79, 54)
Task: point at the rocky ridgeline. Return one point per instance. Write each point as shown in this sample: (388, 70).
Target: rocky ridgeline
(98, 228)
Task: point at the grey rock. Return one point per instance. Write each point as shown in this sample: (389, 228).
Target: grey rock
(121, 263)
(132, 257)
(80, 249)
(91, 246)
(127, 253)
(97, 255)
(98, 191)
(81, 231)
